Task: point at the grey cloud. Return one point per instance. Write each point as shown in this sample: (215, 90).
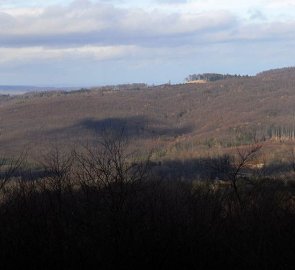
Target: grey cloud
(85, 23)
(7, 20)
(256, 14)
(275, 31)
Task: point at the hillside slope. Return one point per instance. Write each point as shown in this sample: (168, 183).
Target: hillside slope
(164, 115)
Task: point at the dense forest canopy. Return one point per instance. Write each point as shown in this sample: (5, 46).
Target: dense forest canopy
(211, 77)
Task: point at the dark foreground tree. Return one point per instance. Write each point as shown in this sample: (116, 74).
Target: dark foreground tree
(97, 208)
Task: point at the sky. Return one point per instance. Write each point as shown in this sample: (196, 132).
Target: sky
(102, 42)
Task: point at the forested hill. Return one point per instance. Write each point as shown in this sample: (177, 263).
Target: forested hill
(184, 116)
(211, 77)
(287, 74)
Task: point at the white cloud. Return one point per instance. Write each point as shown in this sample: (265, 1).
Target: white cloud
(42, 53)
(141, 34)
(85, 23)
(102, 18)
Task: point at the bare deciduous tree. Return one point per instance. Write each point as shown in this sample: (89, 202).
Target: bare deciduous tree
(9, 167)
(244, 157)
(109, 166)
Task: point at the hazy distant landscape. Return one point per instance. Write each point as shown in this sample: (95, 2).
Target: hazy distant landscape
(22, 89)
(152, 134)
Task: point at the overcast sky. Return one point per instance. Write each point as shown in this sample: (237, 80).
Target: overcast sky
(84, 43)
